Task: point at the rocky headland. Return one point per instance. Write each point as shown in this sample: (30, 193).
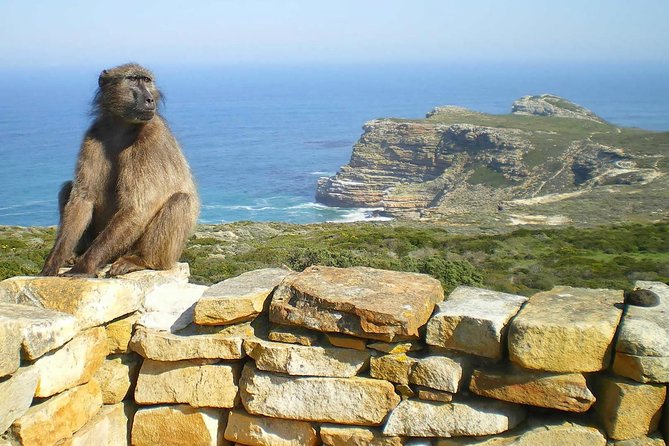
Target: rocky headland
(549, 162)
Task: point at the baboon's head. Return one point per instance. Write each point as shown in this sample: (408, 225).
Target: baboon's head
(127, 91)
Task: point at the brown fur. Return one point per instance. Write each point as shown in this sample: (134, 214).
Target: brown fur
(133, 201)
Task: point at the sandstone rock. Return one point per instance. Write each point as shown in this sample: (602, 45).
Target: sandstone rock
(565, 330)
(238, 299)
(360, 301)
(627, 409)
(473, 320)
(361, 401)
(149, 279)
(438, 372)
(469, 417)
(119, 332)
(537, 432)
(109, 427)
(345, 341)
(253, 430)
(41, 330)
(395, 347)
(425, 393)
(116, 377)
(192, 343)
(179, 425)
(405, 391)
(73, 364)
(10, 346)
(92, 302)
(644, 369)
(58, 417)
(17, 395)
(642, 348)
(306, 361)
(567, 392)
(169, 307)
(336, 435)
(393, 368)
(293, 335)
(189, 382)
(651, 440)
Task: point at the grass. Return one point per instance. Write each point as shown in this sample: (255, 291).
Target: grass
(523, 261)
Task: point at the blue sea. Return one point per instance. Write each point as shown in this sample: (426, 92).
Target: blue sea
(259, 137)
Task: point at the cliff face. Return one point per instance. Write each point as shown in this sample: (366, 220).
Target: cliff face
(458, 161)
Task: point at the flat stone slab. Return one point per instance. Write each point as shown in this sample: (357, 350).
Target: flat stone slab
(58, 417)
(566, 330)
(642, 348)
(41, 329)
(338, 435)
(627, 409)
(188, 382)
(192, 343)
(169, 307)
(473, 320)
(537, 432)
(73, 364)
(239, 298)
(567, 391)
(176, 425)
(119, 333)
(436, 372)
(10, 345)
(17, 395)
(92, 302)
(108, 427)
(359, 401)
(360, 301)
(470, 417)
(290, 334)
(299, 360)
(250, 429)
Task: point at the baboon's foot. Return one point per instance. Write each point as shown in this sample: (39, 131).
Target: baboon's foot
(125, 265)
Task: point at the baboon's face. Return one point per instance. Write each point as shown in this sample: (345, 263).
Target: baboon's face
(129, 92)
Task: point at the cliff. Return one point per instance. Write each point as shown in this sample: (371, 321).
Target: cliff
(467, 167)
(332, 356)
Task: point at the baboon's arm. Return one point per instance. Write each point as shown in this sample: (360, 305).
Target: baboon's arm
(122, 231)
(78, 211)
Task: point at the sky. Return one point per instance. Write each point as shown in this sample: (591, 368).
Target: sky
(39, 33)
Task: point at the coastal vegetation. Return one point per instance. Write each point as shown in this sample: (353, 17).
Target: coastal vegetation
(522, 261)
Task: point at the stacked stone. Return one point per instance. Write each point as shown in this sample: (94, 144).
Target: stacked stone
(331, 356)
(65, 369)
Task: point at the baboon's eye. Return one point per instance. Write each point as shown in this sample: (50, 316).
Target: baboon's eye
(146, 79)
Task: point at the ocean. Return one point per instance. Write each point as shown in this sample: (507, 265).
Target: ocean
(259, 137)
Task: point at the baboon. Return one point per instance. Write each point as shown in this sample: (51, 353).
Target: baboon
(133, 201)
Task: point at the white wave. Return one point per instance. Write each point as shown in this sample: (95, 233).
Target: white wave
(361, 214)
(323, 174)
(309, 205)
(239, 207)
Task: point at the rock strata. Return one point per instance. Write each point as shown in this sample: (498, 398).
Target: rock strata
(359, 301)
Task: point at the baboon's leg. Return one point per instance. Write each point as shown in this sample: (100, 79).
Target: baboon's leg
(163, 240)
(87, 237)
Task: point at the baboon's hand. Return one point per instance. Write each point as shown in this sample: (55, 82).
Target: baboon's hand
(81, 269)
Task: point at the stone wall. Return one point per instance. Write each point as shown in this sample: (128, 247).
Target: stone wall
(328, 356)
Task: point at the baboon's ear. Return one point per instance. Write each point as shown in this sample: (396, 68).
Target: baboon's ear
(103, 78)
